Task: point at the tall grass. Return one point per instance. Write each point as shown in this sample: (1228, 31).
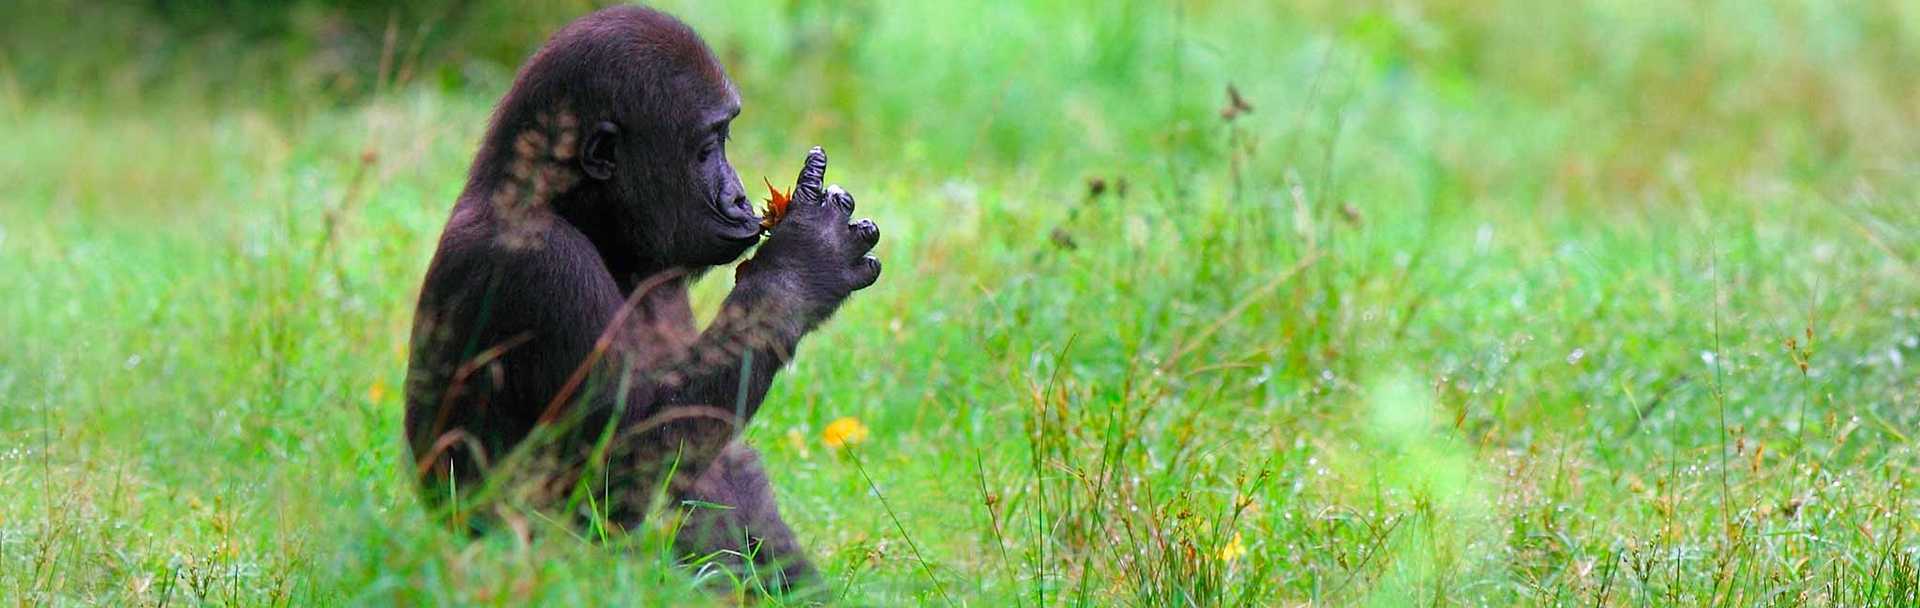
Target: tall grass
(1600, 302)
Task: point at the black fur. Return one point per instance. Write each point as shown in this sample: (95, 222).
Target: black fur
(554, 340)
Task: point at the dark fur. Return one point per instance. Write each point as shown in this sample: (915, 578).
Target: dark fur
(554, 340)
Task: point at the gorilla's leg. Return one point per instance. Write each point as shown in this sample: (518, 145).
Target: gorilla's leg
(730, 515)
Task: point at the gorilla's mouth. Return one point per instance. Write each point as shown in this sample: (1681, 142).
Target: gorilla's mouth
(738, 214)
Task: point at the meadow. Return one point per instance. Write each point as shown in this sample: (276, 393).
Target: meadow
(1597, 302)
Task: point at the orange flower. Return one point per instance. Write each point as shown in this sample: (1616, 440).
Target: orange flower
(376, 391)
(846, 431)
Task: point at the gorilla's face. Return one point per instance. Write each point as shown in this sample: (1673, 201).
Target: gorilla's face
(679, 196)
(729, 225)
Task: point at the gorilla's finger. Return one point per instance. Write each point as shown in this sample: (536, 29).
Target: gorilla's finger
(807, 189)
(865, 272)
(865, 234)
(840, 199)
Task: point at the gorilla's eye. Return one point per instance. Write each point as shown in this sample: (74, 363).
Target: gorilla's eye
(715, 142)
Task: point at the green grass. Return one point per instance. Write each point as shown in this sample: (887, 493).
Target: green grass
(1587, 303)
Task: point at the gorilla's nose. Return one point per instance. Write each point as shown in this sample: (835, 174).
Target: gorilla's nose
(740, 208)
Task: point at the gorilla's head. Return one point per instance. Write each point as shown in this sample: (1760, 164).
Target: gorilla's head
(635, 110)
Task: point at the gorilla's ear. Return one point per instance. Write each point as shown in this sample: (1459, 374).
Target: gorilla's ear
(596, 157)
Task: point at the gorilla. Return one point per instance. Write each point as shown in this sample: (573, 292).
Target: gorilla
(555, 359)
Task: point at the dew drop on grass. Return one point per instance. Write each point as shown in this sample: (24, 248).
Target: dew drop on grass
(1266, 373)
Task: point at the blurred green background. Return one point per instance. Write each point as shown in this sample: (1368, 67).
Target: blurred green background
(1598, 302)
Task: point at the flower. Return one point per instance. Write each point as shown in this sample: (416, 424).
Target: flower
(846, 431)
(376, 391)
(799, 443)
(1233, 550)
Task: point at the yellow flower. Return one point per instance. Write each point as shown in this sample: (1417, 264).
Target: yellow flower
(1233, 550)
(376, 391)
(845, 431)
(799, 443)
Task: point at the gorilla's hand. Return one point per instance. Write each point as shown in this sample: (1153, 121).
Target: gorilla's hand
(816, 256)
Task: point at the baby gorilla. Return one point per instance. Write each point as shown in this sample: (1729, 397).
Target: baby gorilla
(554, 351)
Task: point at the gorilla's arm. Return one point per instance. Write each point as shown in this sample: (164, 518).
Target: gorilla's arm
(733, 364)
(815, 259)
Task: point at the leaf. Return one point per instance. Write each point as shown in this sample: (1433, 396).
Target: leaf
(776, 206)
